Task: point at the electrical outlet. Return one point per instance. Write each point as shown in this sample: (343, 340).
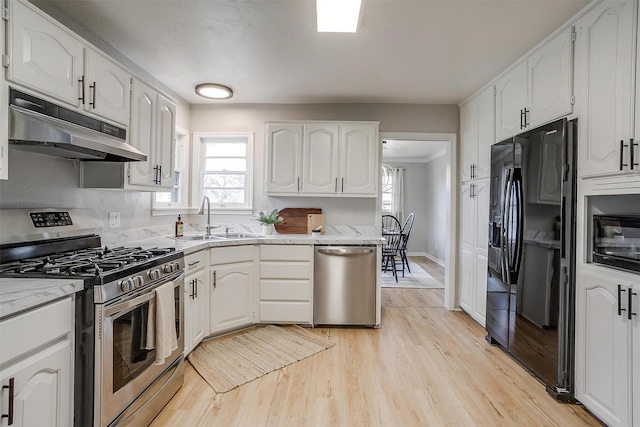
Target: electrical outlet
(114, 219)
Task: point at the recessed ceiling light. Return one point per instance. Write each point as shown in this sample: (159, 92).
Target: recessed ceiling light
(338, 16)
(214, 91)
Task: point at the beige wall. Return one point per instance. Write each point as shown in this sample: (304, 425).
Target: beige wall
(252, 118)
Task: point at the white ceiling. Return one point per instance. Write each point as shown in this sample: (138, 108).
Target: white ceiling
(268, 51)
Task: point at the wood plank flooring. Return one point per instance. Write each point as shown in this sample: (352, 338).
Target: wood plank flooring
(425, 366)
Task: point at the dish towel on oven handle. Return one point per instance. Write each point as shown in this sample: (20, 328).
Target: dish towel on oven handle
(162, 314)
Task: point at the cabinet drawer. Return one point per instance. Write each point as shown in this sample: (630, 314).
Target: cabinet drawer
(285, 270)
(285, 312)
(285, 252)
(44, 324)
(195, 261)
(231, 254)
(285, 290)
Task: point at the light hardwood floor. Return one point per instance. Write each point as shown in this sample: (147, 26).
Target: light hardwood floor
(425, 366)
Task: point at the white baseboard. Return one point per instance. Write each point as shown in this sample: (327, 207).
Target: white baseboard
(431, 257)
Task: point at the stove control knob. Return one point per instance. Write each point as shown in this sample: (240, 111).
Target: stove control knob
(126, 285)
(167, 268)
(176, 266)
(137, 281)
(154, 274)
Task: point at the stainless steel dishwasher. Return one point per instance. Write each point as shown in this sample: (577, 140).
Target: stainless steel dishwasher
(344, 285)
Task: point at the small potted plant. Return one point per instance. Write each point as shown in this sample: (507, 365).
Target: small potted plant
(268, 219)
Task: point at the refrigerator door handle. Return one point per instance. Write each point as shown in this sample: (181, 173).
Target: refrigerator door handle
(518, 193)
(506, 230)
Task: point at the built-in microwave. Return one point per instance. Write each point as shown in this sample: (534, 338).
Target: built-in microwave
(616, 241)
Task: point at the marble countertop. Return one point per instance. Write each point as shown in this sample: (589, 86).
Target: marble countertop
(17, 294)
(191, 246)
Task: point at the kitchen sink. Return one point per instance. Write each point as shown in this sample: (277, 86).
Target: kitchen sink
(238, 236)
(198, 237)
(224, 236)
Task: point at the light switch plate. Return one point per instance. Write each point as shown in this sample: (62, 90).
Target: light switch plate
(114, 219)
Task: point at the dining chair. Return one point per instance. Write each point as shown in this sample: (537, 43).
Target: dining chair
(406, 231)
(392, 233)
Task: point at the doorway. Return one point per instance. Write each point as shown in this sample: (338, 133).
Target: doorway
(423, 147)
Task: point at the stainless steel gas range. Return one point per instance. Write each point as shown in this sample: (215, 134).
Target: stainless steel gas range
(121, 378)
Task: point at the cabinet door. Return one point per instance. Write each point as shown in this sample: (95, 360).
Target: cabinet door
(43, 390)
(164, 148)
(107, 88)
(467, 215)
(284, 158)
(142, 132)
(359, 168)
(196, 308)
(467, 275)
(44, 56)
(511, 99)
(486, 112)
(604, 86)
(602, 350)
(230, 288)
(550, 85)
(469, 139)
(480, 288)
(4, 119)
(320, 166)
(635, 352)
(481, 209)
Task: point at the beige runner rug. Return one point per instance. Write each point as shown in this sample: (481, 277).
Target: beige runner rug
(229, 362)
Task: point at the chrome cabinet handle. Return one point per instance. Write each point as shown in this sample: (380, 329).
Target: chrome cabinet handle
(342, 185)
(632, 148)
(9, 414)
(620, 291)
(521, 119)
(336, 186)
(159, 174)
(526, 121)
(215, 280)
(191, 264)
(630, 312)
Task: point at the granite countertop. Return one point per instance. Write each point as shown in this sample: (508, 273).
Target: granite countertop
(17, 294)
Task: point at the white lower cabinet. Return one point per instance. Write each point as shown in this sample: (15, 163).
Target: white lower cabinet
(231, 288)
(286, 278)
(196, 305)
(474, 223)
(36, 369)
(608, 344)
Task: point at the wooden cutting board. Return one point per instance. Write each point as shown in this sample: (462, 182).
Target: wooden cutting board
(315, 220)
(295, 220)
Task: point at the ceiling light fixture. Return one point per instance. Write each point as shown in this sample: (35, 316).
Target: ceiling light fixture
(214, 91)
(338, 16)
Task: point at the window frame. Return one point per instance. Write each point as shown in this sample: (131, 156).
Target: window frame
(171, 208)
(198, 169)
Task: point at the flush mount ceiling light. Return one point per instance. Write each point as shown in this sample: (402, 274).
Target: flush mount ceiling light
(338, 16)
(214, 91)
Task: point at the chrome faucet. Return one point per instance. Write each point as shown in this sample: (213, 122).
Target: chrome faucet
(201, 211)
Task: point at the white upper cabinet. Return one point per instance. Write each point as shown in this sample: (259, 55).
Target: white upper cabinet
(322, 159)
(4, 118)
(320, 166)
(284, 158)
(477, 125)
(49, 58)
(511, 100)
(108, 88)
(550, 80)
(604, 88)
(537, 90)
(152, 131)
(358, 160)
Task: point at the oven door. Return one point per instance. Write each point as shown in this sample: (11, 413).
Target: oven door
(124, 366)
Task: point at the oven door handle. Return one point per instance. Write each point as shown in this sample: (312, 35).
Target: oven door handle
(125, 305)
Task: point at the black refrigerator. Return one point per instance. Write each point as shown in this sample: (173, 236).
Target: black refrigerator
(531, 257)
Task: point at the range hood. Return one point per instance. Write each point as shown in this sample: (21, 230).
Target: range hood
(41, 127)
